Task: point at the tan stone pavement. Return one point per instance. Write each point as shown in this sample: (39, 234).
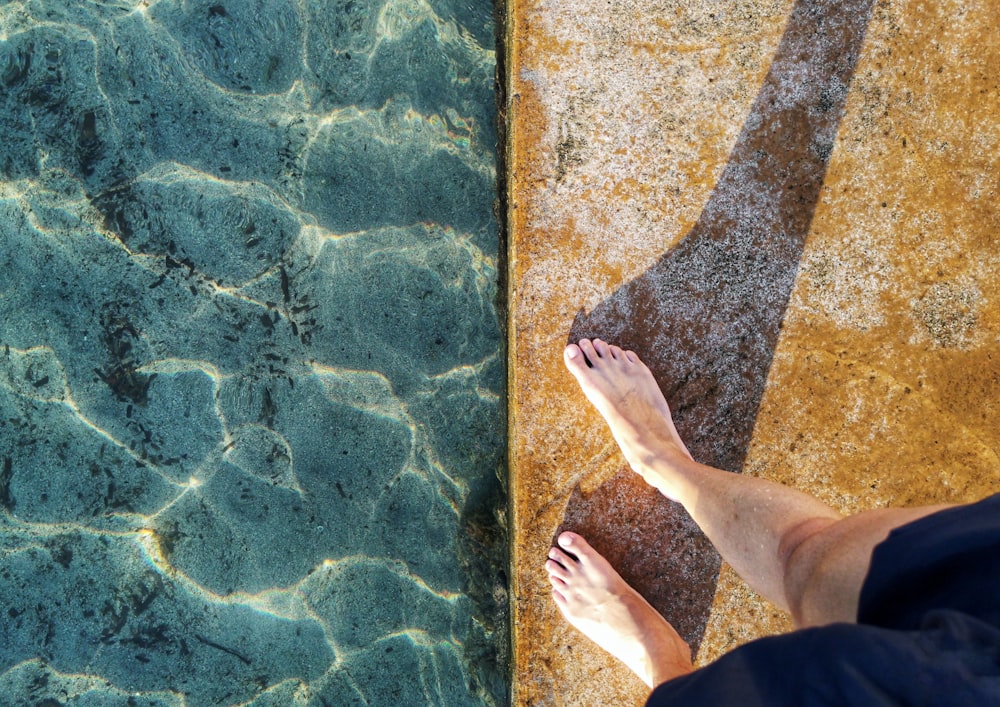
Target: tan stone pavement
(790, 209)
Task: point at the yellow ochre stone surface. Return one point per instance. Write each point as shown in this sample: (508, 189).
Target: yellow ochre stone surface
(790, 210)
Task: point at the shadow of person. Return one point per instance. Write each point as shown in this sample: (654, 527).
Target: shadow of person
(706, 317)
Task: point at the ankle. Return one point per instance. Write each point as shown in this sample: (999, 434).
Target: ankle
(668, 669)
(669, 658)
(661, 464)
(652, 447)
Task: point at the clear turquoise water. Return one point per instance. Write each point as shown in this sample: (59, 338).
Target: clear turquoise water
(251, 369)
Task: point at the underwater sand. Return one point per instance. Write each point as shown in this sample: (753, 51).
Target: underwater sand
(251, 378)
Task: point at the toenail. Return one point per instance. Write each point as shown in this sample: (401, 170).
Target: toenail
(572, 351)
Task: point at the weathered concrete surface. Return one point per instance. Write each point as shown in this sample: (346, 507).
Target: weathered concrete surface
(789, 209)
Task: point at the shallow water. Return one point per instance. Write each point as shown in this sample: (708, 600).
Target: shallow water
(251, 376)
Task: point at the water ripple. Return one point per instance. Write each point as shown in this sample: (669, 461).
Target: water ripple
(250, 370)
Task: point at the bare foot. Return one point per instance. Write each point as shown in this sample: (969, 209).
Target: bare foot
(597, 601)
(624, 391)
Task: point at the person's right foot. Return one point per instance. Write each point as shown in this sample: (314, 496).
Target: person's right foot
(594, 598)
(624, 391)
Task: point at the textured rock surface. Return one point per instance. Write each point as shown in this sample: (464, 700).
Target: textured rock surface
(789, 209)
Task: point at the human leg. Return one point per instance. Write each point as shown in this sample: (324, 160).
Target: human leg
(790, 547)
(825, 570)
(594, 598)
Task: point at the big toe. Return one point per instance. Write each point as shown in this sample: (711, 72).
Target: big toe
(575, 360)
(574, 544)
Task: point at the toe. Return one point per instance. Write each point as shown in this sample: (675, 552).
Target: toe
(616, 352)
(580, 548)
(575, 359)
(589, 352)
(602, 348)
(556, 569)
(565, 559)
(631, 356)
(567, 538)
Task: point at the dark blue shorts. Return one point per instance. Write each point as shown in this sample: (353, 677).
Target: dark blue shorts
(928, 631)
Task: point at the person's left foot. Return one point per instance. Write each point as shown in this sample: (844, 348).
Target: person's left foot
(594, 598)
